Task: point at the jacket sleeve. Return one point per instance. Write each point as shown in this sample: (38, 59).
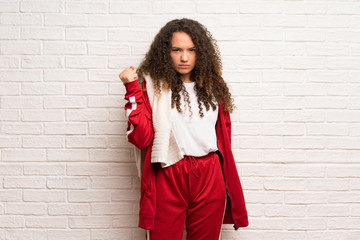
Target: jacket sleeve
(228, 124)
(138, 112)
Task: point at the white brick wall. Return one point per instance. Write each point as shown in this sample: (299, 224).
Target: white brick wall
(67, 171)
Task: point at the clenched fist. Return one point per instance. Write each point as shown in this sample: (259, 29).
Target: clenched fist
(128, 75)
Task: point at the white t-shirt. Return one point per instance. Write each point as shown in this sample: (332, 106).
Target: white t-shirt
(195, 136)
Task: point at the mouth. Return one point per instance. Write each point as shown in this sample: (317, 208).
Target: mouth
(184, 66)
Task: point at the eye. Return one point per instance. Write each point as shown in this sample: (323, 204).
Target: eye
(176, 50)
(193, 50)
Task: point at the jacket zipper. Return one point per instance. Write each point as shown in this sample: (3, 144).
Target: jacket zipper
(221, 158)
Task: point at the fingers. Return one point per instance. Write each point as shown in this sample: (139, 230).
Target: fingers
(128, 75)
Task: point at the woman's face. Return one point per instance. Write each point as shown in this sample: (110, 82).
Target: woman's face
(183, 54)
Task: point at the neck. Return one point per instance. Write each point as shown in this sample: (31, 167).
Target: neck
(185, 78)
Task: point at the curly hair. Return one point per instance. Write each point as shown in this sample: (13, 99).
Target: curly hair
(211, 89)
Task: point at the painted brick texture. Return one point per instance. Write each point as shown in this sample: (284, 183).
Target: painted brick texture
(67, 171)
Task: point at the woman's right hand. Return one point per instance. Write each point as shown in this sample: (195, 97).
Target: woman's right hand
(128, 75)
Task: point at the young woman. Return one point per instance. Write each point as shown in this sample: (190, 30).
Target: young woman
(179, 122)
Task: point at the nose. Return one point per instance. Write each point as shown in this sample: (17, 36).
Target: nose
(184, 57)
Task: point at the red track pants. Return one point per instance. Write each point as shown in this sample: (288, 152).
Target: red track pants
(192, 191)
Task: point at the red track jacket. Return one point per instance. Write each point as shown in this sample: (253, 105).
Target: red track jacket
(140, 133)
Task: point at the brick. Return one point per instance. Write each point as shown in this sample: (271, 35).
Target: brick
(341, 8)
(107, 128)
(46, 222)
(110, 182)
(25, 208)
(343, 116)
(260, 7)
(85, 142)
(118, 155)
(254, 116)
(304, 89)
(86, 115)
(43, 141)
(109, 49)
(329, 76)
(85, 34)
(128, 35)
(111, 208)
(42, 89)
(245, 129)
(21, 102)
(303, 8)
(303, 170)
(323, 129)
(125, 221)
(24, 182)
(316, 49)
(42, 62)
(69, 209)
(67, 183)
(20, 47)
(9, 89)
(10, 195)
(23, 19)
(9, 6)
(344, 223)
(42, 116)
(285, 184)
(284, 156)
(113, 20)
(214, 7)
(125, 195)
(42, 33)
(65, 128)
(12, 221)
(331, 210)
(257, 197)
(9, 33)
(88, 169)
(263, 142)
(344, 197)
(88, 196)
(105, 101)
(306, 198)
(44, 196)
(9, 62)
(116, 88)
(65, 75)
(342, 143)
(102, 234)
(306, 224)
(47, 169)
(64, 102)
(9, 142)
(41, 6)
(285, 20)
(343, 171)
(304, 35)
(89, 89)
(304, 142)
(72, 234)
(103, 75)
(117, 115)
(254, 89)
(89, 222)
(302, 115)
(290, 76)
(26, 234)
(123, 169)
(22, 129)
(68, 155)
(137, 7)
(273, 103)
(85, 7)
(7, 169)
(285, 210)
(86, 62)
(68, 20)
(328, 184)
(64, 48)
